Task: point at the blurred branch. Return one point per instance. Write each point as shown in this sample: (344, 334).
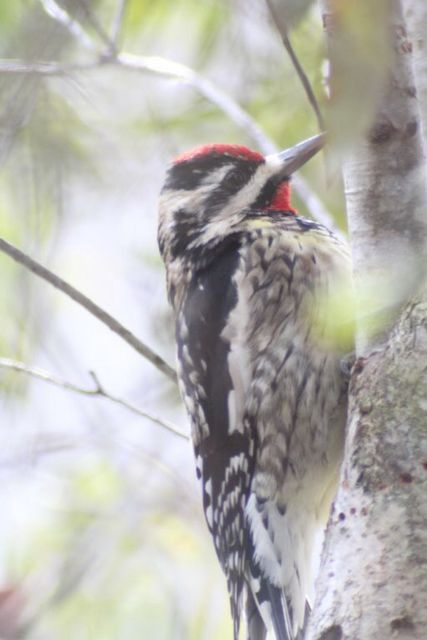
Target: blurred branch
(90, 306)
(158, 66)
(95, 24)
(63, 17)
(98, 390)
(14, 66)
(283, 31)
(75, 27)
(117, 23)
(175, 71)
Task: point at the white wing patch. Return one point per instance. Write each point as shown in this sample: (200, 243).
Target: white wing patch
(238, 360)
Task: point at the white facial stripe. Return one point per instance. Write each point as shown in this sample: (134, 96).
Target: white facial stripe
(174, 200)
(249, 192)
(180, 198)
(216, 176)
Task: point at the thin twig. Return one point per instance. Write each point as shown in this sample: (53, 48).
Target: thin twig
(174, 70)
(96, 26)
(157, 66)
(117, 23)
(98, 390)
(45, 68)
(89, 305)
(63, 17)
(283, 31)
(75, 27)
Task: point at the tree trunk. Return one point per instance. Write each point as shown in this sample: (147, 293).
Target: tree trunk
(373, 577)
(416, 18)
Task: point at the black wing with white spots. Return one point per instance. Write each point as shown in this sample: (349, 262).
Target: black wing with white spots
(224, 452)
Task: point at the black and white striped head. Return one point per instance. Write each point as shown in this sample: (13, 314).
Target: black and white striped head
(212, 188)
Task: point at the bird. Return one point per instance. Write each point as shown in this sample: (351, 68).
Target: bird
(255, 290)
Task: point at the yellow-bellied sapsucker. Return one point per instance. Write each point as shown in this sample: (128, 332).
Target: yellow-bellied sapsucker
(249, 281)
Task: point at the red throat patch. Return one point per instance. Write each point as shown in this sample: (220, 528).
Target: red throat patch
(234, 150)
(282, 199)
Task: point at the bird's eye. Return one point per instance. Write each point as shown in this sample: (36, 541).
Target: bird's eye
(234, 179)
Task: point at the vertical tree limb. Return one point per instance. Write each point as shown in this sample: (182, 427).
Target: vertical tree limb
(416, 18)
(385, 182)
(373, 577)
(117, 23)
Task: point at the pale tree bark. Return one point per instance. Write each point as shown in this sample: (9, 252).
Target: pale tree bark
(373, 577)
(384, 177)
(416, 19)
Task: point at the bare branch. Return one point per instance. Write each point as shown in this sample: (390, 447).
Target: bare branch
(117, 23)
(74, 27)
(98, 390)
(170, 69)
(158, 66)
(283, 31)
(90, 306)
(44, 68)
(96, 26)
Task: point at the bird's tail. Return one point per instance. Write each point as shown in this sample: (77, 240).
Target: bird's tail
(273, 614)
(268, 610)
(275, 588)
(255, 624)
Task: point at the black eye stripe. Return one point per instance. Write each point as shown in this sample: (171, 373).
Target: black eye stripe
(231, 184)
(189, 175)
(236, 178)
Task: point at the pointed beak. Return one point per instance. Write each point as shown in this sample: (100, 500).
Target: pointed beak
(293, 158)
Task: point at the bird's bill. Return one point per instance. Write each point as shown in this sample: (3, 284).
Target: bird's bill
(293, 158)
